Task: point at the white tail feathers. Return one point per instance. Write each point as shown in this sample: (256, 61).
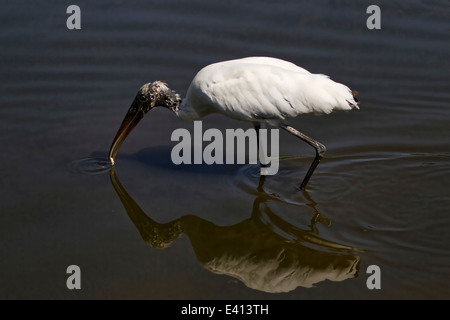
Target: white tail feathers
(354, 102)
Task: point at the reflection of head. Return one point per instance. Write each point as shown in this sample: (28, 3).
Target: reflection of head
(251, 250)
(157, 235)
(161, 236)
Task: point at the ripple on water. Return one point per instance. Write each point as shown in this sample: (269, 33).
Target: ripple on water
(91, 166)
(333, 178)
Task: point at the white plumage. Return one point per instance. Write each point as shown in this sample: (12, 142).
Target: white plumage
(256, 89)
(260, 88)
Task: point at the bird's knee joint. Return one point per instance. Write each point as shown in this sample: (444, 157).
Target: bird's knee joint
(321, 149)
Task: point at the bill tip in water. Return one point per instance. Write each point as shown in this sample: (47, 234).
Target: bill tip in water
(111, 160)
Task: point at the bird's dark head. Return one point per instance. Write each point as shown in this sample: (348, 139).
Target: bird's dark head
(149, 96)
(156, 94)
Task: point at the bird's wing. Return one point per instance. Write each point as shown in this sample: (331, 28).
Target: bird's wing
(269, 61)
(254, 91)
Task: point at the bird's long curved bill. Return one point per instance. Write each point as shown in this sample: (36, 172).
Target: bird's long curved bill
(132, 118)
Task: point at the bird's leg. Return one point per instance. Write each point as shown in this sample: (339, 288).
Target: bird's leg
(320, 151)
(260, 148)
(262, 179)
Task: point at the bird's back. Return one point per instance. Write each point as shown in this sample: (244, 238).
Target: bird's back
(259, 88)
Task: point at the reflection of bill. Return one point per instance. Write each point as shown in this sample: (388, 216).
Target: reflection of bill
(265, 252)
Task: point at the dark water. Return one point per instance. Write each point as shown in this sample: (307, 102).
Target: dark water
(150, 229)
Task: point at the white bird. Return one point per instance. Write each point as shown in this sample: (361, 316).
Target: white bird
(256, 89)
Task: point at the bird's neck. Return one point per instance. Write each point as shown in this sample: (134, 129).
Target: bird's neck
(183, 110)
(176, 110)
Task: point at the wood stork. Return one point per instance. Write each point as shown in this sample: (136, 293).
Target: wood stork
(256, 89)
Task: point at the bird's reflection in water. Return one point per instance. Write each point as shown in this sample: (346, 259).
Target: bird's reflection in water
(265, 252)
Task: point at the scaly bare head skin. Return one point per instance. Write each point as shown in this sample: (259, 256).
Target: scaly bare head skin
(150, 95)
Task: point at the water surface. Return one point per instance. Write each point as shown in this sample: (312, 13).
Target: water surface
(150, 229)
